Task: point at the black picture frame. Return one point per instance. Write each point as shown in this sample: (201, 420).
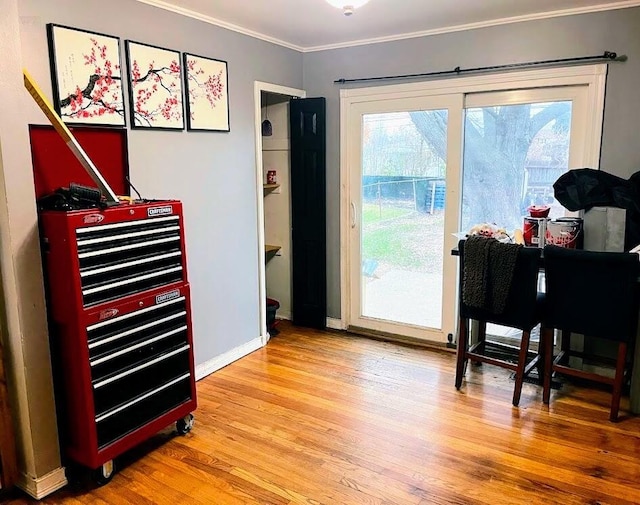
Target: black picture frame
(155, 81)
(91, 63)
(206, 82)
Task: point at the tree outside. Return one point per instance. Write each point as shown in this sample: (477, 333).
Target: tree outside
(502, 146)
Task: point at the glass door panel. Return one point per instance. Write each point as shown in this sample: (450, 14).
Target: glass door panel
(403, 188)
(512, 156)
(516, 145)
(403, 174)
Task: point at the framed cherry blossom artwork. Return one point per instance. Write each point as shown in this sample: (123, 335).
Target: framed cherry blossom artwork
(155, 87)
(206, 83)
(86, 76)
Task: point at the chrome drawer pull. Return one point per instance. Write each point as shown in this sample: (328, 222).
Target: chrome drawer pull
(130, 281)
(137, 329)
(133, 314)
(104, 382)
(133, 234)
(137, 346)
(115, 226)
(128, 247)
(140, 398)
(128, 264)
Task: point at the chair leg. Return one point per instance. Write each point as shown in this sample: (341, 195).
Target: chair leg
(547, 336)
(541, 353)
(522, 363)
(565, 345)
(617, 381)
(462, 351)
(482, 334)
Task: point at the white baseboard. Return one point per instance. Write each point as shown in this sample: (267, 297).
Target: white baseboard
(208, 367)
(336, 324)
(42, 486)
(284, 314)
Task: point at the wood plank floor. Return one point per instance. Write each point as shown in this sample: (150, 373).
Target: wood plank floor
(323, 418)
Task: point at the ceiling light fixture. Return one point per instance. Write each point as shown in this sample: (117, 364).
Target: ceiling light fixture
(347, 6)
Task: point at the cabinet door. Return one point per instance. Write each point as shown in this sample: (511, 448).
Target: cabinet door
(308, 209)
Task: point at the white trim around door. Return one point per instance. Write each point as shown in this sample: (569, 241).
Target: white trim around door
(258, 88)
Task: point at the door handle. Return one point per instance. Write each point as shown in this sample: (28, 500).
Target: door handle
(353, 215)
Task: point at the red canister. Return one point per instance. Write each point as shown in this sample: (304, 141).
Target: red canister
(271, 177)
(534, 231)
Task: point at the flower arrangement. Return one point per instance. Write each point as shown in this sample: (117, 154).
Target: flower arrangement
(490, 231)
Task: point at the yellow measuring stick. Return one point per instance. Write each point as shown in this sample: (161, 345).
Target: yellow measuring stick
(68, 137)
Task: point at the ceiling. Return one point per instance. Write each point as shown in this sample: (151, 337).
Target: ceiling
(308, 25)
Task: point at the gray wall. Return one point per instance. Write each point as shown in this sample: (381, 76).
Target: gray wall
(547, 39)
(212, 173)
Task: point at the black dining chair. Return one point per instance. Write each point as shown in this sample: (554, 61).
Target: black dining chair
(594, 294)
(522, 308)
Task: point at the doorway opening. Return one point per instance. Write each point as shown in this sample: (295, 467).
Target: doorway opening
(273, 193)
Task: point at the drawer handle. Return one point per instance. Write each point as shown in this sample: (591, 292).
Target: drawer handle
(133, 314)
(124, 236)
(140, 398)
(145, 277)
(137, 329)
(137, 346)
(128, 247)
(115, 226)
(104, 382)
(128, 264)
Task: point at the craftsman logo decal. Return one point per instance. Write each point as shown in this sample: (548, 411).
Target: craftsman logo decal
(160, 211)
(93, 218)
(170, 295)
(108, 313)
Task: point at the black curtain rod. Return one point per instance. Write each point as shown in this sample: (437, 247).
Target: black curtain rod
(607, 56)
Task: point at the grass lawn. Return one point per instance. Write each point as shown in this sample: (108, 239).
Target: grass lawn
(402, 238)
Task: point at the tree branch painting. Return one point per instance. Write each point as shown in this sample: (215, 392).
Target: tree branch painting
(86, 76)
(206, 82)
(155, 86)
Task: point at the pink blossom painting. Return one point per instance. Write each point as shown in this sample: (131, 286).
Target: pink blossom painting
(206, 83)
(155, 87)
(86, 76)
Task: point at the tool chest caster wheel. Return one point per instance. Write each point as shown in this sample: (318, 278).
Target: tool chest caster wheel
(184, 425)
(103, 474)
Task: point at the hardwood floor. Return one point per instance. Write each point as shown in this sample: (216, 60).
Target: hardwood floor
(323, 418)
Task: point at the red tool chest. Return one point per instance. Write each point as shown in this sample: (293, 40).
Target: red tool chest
(120, 320)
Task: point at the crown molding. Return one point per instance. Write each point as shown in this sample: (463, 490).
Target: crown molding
(219, 22)
(624, 4)
(481, 24)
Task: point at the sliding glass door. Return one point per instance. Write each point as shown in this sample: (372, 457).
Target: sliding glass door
(422, 162)
(516, 144)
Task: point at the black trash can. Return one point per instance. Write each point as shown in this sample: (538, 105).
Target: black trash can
(272, 307)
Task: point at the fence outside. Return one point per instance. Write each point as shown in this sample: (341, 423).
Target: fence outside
(422, 194)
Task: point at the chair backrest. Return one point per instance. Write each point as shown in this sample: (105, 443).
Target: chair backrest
(592, 293)
(520, 310)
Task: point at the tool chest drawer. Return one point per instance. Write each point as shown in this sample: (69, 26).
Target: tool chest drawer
(124, 385)
(136, 337)
(119, 422)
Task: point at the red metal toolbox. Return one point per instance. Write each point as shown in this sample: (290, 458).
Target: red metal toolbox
(120, 318)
